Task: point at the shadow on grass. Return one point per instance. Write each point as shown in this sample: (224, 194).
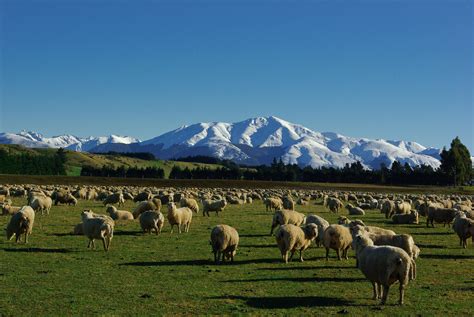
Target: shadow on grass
(446, 256)
(302, 279)
(257, 246)
(315, 268)
(131, 233)
(288, 302)
(254, 235)
(432, 233)
(196, 262)
(39, 250)
(432, 246)
(65, 234)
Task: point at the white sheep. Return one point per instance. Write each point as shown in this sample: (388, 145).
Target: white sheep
(97, 228)
(116, 214)
(8, 209)
(411, 218)
(42, 203)
(291, 238)
(179, 217)
(338, 238)
(152, 220)
(322, 225)
(190, 203)
(283, 217)
(383, 266)
(21, 223)
(152, 204)
(213, 205)
(462, 226)
(116, 198)
(224, 242)
(355, 210)
(273, 203)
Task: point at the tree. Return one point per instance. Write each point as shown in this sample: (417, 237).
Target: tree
(456, 163)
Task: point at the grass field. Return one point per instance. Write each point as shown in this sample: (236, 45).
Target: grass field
(171, 274)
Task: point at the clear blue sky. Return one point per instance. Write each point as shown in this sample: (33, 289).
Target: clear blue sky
(379, 69)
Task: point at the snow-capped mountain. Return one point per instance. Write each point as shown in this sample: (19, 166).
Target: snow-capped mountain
(253, 141)
(70, 142)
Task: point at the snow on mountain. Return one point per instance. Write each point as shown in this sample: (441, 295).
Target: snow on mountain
(70, 142)
(253, 141)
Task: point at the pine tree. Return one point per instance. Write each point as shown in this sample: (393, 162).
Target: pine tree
(456, 163)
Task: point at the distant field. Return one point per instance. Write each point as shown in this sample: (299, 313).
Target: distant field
(171, 274)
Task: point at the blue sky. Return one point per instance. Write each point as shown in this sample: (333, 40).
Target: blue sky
(378, 69)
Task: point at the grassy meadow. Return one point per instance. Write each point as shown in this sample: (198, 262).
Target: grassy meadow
(173, 274)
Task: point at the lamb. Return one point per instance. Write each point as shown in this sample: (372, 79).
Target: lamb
(411, 218)
(337, 237)
(150, 220)
(440, 215)
(119, 214)
(291, 238)
(403, 241)
(179, 217)
(116, 198)
(213, 205)
(283, 217)
(224, 242)
(383, 266)
(355, 210)
(152, 204)
(461, 226)
(273, 203)
(190, 203)
(334, 204)
(42, 204)
(322, 225)
(21, 223)
(97, 228)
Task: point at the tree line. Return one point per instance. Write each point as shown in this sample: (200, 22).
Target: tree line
(122, 171)
(33, 163)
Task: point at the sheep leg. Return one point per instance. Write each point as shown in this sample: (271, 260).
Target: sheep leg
(156, 229)
(301, 256)
(215, 257)
(292, 253)
(327, 254)
(187, 226)
(179, 228)
(379, 287)
(338, 253)
(402, 293)
(284, 256)
(89, 244)
(171, 229)
(385, 294)
(376, 295)
(104, 243)
(26, 237)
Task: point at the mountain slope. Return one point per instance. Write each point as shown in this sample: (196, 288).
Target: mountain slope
(252, 141)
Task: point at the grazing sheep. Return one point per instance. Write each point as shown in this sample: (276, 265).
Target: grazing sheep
(190, 203)
(179, 217)
(288, 203)
(283, 217)
(273, 203)
(224, 241)
(152, 219)
(42, 204)
(355, 210)
(213, 205)
(337, 237)
(291, 238)
(411, 218)
(116, 198)
(59, 196)
(152, 204)
(143, 196)
(322, 225)
(97, 228)
(402, 207)
(249, 200)
(21, 223)
(119, 214)
(334, 204)
(8, 209)
(388, 208)
(403, 241)
(440, 215)
(383, 266)
(462, 225)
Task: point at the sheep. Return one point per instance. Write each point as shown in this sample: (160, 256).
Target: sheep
(388, 208)
(383, 266)
(179, 217)
(402, 207)
(152, 204)
(291, 238)
(152, 219)
(116, 198)
(334, 204)
(143, 196)
(462, 225)
(337, 237)
(355, 210)
(63, 197)
(273, 203)
(119, 214)
(42, 204)
(190, 203)
(249, 200)
(288, 203)
(283, 217)
(213, 205)
(21, 223)
(78, 230)
(411, 218)
(97, 228)
(322, 225)
(8, 209)
(224, 241)
(440, 215)
(403, 241)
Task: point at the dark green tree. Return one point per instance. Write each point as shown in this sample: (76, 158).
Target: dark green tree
(456, 163)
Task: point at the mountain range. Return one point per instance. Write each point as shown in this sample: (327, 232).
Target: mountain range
(253, 141)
